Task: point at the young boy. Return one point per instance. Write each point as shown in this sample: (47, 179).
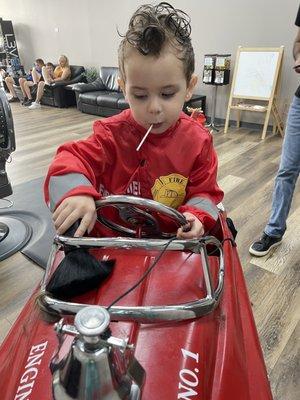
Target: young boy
(176, 165)
(50, 69)
(32, 79)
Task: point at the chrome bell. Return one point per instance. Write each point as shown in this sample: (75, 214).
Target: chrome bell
(96, 367)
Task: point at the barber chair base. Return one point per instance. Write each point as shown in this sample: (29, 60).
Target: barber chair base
(4, 229)
(14, 235)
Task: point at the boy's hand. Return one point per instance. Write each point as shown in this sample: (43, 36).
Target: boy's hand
(73, 209)
(196, 228)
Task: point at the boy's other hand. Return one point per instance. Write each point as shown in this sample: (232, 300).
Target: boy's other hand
(73, 209)
(196, 230)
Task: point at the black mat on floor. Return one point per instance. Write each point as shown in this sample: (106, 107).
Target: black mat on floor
(29, 206)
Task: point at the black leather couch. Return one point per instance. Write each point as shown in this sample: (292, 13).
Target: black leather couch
(57, 95)
(103, 96)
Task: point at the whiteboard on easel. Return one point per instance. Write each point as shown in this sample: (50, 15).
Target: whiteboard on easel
(255, 74)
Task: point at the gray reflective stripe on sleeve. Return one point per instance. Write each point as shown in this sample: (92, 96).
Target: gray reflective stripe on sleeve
(205, 205)
(60, 185)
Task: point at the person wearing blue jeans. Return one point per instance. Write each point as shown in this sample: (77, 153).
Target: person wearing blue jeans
(288, 171)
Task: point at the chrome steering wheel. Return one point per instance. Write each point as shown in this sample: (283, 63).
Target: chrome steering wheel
(136, 213)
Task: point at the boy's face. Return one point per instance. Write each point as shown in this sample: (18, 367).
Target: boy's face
(49, 68)
(155, 88)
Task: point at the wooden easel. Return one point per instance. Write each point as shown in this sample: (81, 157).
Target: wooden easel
(251, 66)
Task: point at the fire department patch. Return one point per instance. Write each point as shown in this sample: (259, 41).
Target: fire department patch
(170, 190)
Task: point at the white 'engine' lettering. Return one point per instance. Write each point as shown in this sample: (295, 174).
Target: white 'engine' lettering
(28, 377)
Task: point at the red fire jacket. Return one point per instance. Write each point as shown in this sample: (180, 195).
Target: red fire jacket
(177, 168)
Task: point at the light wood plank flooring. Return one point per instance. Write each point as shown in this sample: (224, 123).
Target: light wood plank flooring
(247, 167)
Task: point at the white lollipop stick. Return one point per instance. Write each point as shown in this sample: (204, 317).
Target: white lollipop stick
(144, 138)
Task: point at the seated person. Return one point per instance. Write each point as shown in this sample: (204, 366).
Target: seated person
(9, 80)
(48, 67)
(61, 73)
(176, 165)
(30, 80)
(34, 77)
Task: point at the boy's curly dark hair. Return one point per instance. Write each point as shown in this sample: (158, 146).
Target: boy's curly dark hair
(152, 27)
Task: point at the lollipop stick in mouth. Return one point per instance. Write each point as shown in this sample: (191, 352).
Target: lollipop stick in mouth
(144, 138)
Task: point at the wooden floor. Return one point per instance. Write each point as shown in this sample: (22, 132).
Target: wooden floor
(247, 167)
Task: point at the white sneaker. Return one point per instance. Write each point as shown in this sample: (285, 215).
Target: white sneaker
(34, 106)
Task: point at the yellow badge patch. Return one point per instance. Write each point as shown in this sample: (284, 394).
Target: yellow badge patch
(170, 190)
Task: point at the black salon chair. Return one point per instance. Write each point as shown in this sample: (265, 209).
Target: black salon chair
(14, 233)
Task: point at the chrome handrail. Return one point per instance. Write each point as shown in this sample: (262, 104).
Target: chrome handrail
(127, 243)
(144, 314)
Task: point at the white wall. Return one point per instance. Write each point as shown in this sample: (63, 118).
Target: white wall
(87, 32)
